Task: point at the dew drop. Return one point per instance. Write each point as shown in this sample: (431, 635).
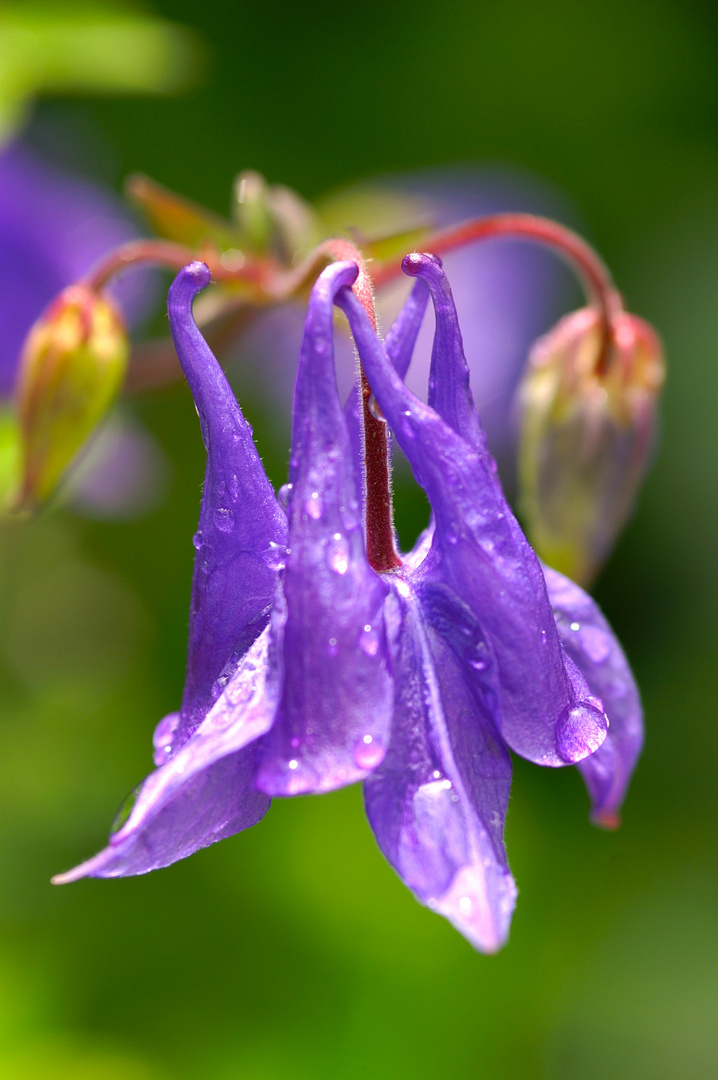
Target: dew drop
(218, 686)
(293, 764)
(338, 554)
(197, 539)
(313, 505)
(126, 807)
(333, 648)
(575, 626)
(233, 486)
(223, 519)
(283, 495)
(580, 730)
(369, 640)
(275, 557)
(375, 410)
(465, 905)
(163, 737)
(368, 752)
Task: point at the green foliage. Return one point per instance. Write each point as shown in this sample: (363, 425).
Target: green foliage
(87, 47)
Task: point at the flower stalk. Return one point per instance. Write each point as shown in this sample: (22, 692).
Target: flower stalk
(268, 281)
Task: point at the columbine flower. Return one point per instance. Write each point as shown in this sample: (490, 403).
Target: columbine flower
(309, 670)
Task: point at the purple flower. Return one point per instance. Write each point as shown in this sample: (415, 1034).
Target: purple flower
(308, 670)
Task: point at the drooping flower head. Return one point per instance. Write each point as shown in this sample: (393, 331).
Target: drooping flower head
(308, 669)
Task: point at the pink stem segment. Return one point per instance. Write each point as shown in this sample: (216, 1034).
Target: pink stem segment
(593, 272)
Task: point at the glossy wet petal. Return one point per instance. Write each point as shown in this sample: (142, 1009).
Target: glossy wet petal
(242, 535)
(591, 643)
(482, 553)
(449, 390)
(399, 346)
(204, 792)
(333, 720)
(437, 802)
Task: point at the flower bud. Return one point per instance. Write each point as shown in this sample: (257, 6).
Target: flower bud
(587, 429)
(72, 365)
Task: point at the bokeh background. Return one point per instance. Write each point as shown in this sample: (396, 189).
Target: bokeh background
(292, 952)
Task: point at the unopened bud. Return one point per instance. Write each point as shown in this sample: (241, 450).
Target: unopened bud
(587, 428)
(71, 368)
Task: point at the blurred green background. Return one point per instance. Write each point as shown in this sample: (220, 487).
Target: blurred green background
(292, 952)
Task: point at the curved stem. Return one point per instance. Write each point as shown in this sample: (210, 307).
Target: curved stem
(173, 256)
(594, 273)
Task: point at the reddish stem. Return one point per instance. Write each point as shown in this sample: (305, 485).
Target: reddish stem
(173, 256)
(378, 515)
(593, 272)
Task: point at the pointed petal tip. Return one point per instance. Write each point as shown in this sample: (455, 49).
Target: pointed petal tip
(607, 819)
(77, 872)
(484, 921)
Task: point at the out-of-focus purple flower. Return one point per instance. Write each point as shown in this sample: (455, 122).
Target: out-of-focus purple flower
(308, 670)
(52, 228)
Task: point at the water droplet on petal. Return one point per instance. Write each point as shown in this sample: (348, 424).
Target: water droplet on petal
(575, 626)
(164, 736)
(275, 556)
(375, 410)
(223, 519)
(293, 764)
(218, 686)
(338, 554)
(233, 486)
(126, 807)
(581, 730)
(368, 752)
(369, 641)
(283, 495)
(197, 539)
(313, 505)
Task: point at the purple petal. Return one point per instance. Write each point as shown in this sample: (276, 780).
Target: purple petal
(480, 551)
(333, 719)
(449, 392)
(399, 345)
(242, 535)
(204, 792)
(590, 642)
(437, 802)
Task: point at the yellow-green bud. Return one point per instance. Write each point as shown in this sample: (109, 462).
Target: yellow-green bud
(72, 365)
(587, 428)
